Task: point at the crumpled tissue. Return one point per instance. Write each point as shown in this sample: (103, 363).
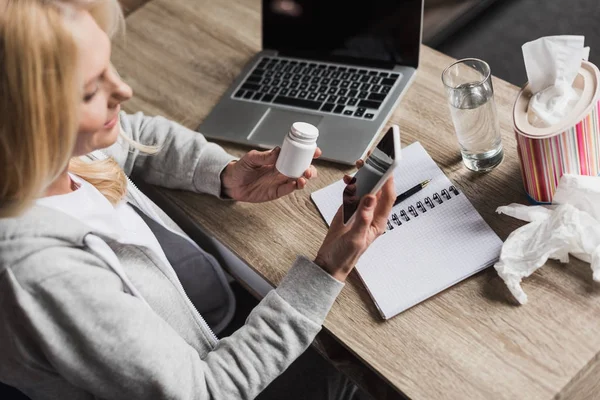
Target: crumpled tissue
(571, 225)
(552, 63)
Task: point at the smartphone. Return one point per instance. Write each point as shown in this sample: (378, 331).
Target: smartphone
(378, 167)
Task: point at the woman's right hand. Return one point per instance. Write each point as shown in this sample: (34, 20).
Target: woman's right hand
(344, 244)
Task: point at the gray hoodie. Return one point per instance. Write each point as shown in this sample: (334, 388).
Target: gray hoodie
(83, 316)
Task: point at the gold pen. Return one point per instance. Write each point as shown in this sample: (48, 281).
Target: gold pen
(411, 191)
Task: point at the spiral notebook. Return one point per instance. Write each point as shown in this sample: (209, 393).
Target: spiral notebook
(434, 239)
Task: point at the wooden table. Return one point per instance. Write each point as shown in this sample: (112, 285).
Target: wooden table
(470, 342)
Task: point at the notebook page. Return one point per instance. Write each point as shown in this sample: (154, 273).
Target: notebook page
(442, 245)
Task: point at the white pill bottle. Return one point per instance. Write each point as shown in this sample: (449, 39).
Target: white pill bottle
(297, 150)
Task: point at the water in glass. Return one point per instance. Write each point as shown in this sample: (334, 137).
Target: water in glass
(476, 123)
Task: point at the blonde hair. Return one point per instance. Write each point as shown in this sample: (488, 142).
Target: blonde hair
(40, 96)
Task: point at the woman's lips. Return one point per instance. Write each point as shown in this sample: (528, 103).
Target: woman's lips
(110, 124)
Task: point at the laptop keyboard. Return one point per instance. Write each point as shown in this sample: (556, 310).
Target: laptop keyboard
(329, 88)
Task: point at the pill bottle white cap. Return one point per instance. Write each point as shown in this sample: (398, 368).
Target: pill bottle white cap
(297, 150)
(304, 132)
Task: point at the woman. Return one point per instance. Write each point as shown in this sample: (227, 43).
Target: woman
(90, 305)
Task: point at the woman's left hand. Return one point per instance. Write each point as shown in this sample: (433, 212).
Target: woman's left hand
(255, 179)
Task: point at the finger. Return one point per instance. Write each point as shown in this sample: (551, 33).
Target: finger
(349, 190)
(287, 188)
(301, 183)
(349, 180)
(360, 163)
(310, 173)
(384, 205)
(318, 153)
(257, 158)
(337, 223)
(364, 216)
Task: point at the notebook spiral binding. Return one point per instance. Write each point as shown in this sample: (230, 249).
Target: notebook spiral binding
(421, 207)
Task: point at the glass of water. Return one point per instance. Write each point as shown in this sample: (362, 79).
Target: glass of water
(468, 84)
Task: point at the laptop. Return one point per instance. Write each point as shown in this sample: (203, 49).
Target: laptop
(339, 65)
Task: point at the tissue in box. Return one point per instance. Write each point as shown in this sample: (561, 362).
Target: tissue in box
(552, 64)
(569, 147)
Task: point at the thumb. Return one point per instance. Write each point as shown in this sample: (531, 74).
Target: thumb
(259, 158)
(364, 215)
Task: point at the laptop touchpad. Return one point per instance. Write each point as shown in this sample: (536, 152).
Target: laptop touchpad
(275, 124)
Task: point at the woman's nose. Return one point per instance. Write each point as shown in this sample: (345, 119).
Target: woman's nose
(120, 91)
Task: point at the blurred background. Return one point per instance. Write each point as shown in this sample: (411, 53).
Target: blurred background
(495, 30)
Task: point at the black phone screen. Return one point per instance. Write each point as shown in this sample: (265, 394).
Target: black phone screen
(376, 165)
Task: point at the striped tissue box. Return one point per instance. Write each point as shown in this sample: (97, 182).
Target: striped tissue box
(573, 147)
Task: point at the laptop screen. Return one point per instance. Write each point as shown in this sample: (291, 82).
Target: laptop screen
(376, 33)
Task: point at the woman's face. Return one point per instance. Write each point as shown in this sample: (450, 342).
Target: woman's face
(103, 89)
